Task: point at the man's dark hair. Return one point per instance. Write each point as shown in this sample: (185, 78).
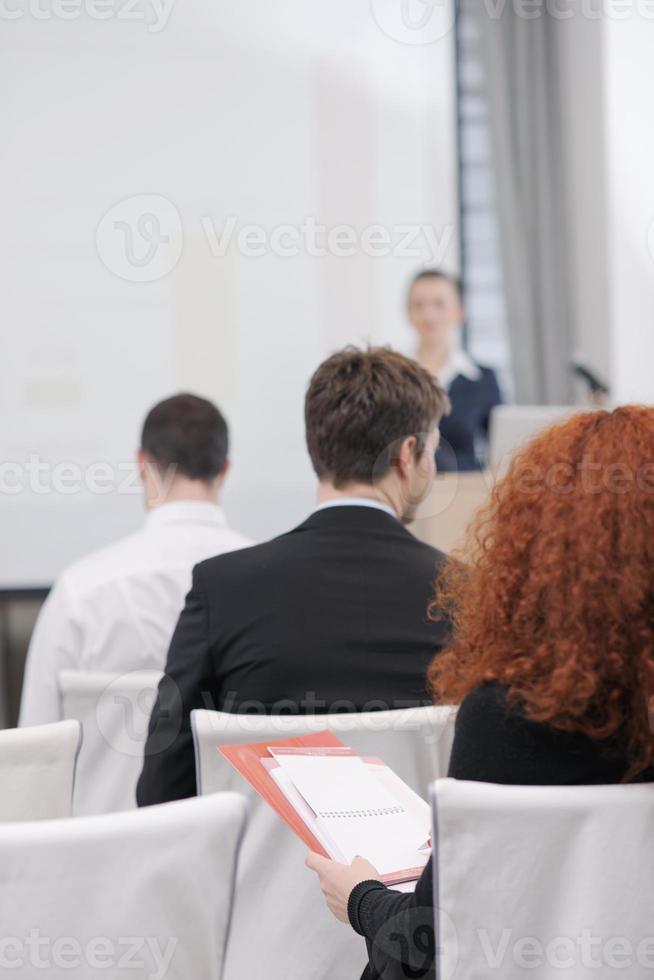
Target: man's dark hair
(360, 405)
(438, 274)
(188, 434)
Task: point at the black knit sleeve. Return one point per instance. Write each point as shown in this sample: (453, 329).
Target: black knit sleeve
(398, 927)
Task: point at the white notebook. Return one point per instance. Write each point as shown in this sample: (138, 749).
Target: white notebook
(356, 808)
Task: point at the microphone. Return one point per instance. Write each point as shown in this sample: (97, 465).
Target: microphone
(596, 387)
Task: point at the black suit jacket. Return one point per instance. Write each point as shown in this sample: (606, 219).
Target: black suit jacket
(472, 402)
(331, 616)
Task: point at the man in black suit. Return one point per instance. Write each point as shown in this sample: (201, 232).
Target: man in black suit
(331, 616)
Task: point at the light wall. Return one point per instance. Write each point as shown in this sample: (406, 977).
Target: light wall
(628, 49)
(607, 76)
(259, 113)
(582, 82)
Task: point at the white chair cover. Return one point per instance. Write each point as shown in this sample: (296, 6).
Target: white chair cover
(298, 936)
(144, 894)
(549, 882)
(114, 710)
(37, 771)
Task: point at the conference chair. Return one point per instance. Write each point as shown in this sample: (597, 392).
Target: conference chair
(146, 893)
(37, 771)
(551, 882)
(115, 712)
(299, 935)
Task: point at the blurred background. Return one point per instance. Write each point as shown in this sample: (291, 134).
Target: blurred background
(212, 197)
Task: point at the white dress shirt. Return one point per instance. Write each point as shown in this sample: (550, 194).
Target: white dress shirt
(356, 502)
(116, 609)
(458, 362)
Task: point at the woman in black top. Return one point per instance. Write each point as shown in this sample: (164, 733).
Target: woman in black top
(553, 658)
(435, 309)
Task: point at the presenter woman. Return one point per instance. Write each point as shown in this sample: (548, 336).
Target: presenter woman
(435, 310)
(552, 662)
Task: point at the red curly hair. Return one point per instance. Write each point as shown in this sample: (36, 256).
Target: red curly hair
(556, 599)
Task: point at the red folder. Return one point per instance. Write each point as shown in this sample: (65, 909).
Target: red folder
(247, 760)
(250, 761)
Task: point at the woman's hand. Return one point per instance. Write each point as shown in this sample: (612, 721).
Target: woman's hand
(338, 880)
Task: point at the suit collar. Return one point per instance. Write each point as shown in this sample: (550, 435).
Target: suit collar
(458, 363)
(356, 502)
(354, 516)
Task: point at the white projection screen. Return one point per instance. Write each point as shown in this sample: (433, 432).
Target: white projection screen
(291, 164)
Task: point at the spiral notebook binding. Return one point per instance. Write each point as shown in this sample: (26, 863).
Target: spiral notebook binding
(347, 814)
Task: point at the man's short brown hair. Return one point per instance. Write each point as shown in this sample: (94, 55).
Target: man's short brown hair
(187, 434)
(360, 405)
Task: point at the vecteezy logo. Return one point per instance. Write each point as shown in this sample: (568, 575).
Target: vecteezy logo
(406, 945)
(123, 714)
(415, 21)
(140, 238)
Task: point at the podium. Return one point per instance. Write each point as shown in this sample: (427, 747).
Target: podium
(444, 516)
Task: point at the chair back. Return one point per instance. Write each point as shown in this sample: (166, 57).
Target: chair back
(37, 771)
(144, 893)
(114, 710)
(545, 881)
(300, 937)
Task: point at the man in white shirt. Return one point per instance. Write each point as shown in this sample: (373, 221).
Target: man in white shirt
(116, 609)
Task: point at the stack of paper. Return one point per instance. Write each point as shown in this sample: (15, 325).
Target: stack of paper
(346, 805)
